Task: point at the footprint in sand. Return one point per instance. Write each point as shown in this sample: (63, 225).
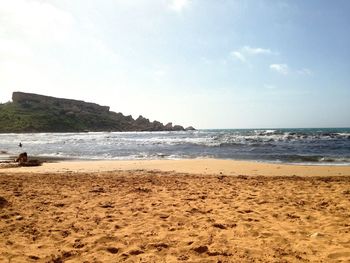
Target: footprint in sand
(112, 250)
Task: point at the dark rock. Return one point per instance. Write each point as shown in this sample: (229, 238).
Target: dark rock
(169, 126)
(190, 128)
(142, 120)
(178, 128)
(157, 126)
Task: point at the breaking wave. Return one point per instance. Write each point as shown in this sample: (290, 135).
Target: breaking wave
(324, 146)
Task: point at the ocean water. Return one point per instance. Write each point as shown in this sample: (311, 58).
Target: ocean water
(312, 146)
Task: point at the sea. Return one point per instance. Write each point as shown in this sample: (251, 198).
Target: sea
(297, 146)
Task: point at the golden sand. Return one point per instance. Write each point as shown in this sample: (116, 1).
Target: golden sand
(175, 211)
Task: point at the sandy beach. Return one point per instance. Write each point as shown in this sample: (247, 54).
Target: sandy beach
(174, 211)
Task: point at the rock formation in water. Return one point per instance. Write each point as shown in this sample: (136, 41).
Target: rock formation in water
(37, 113)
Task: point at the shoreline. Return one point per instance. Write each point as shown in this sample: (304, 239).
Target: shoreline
(190, 166)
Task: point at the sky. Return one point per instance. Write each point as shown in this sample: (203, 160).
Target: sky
(205, 63)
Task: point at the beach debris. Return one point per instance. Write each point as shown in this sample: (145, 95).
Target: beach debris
(3, 202)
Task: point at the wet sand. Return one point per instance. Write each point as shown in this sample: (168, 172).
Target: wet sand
(174, 211)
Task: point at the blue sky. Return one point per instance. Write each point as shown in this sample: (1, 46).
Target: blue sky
(206, 63)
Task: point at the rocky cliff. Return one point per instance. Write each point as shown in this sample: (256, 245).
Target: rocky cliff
(65, 104)
(37, 113)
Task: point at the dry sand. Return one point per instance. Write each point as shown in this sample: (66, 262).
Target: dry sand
(175, 211)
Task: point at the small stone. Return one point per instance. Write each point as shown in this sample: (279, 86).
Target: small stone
(316, 235)
(19, 217)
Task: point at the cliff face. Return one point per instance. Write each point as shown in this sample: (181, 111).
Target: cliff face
(37, 113)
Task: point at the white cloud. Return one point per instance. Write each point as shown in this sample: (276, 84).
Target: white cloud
(280, 68)
(179, 5)
(243, 53)
(256, 51)
(238, 55)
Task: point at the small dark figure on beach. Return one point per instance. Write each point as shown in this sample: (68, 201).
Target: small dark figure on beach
(22, 158)
(20, 145)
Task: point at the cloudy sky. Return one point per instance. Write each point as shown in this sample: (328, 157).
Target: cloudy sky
(206, 63)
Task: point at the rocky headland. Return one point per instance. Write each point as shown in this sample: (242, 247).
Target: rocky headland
(37, 113)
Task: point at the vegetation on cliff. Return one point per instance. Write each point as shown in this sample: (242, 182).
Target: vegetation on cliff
(36, 113)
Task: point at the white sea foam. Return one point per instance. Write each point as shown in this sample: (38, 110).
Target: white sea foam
(258, 144)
